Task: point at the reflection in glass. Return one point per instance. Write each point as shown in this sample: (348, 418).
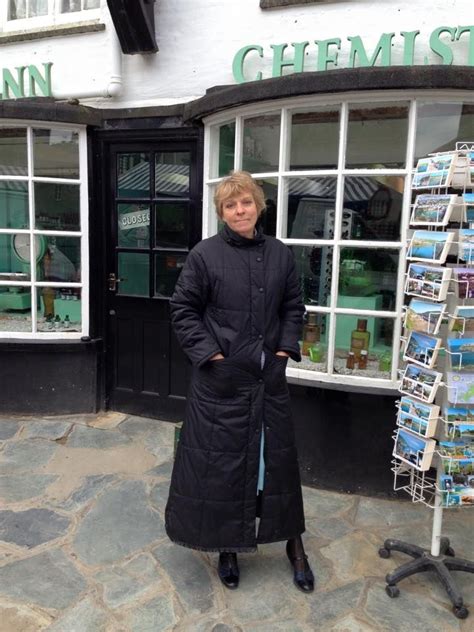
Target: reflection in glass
(133, 175)
(172, 224)
(311, 204)
(56, 153)
(172, 173)
(61, 260)
(314, 269)
(314, 139)
(13, 204)
(226, 148)
(377, 136)
(59, 309)
(372, 207)
(363, 346)
(261, 143)
(168, 266)
(69, 6)
(440, 125)
(368, 278)
(20, 9)
(15, 308)
(14, 257)
(13, 152)
(314, 338)
(133, 274)
(268, 217)
(134, 225)
(56, 206)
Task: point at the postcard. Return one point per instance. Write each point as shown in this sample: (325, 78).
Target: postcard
(420, 383)
(422, 349)
(417, 425)
(461, 431)
(461, 353)
(462, 321)
(466, 245)
(429, 245)
(468, 199)
(424, 317)
(433, 171)
(460, 388)
(432, 210)
(456, 449)
(459, 469)
(458, 415)
(414, 450)
(428, 282)
(464, 281)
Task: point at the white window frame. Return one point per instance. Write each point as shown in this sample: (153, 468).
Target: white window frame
(54, 17)
(83, 233)
(285, 106)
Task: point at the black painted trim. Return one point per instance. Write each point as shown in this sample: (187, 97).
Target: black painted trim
(49, 110)
(331, 81)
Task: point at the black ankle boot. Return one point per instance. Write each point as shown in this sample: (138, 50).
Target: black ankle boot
(228, 570)
(303, 577)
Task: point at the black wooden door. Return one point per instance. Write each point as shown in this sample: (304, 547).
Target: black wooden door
(155, 218)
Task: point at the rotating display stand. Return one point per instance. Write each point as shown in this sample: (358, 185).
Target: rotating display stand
(438, 380)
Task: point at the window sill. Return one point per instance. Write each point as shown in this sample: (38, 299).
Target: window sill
(341, 383)
(273, 4)
(59, 30)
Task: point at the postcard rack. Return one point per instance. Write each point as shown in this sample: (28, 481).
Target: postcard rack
(434, 442)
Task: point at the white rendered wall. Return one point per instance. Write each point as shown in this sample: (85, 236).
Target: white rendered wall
(199, 38)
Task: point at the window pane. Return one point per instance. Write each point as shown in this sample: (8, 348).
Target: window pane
(314, 269)
(226, 148)
(359, 334)
(313, 343)
(133, 274)
(133, 174)
(315, 139)
(13, 152)
(62, 260)
(168, 267)
(14, 204)
(56, 206)
(368, 278)
(15, 308)
(59, 309)
(91, 4)
(377, 136)
(311, 203)
(268, 217)
(172, 224)
(373, 207)
(261, 143)
(38, 7)
(68, 6)
(134, 225)
(56, 153)
(14, 257)
(172, 173)
(440, 125)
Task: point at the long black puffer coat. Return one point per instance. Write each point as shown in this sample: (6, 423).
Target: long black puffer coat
(239, 297)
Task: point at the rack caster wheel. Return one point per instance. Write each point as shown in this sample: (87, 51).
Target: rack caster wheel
(393, 591)
(461, 612)
(383, 552)
(450, 552)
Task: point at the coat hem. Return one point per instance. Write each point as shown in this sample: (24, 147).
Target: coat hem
(224, 549)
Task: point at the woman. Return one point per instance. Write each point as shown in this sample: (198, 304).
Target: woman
(237, 313)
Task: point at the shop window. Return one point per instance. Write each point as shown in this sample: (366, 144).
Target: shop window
(337, 178)
(20, 13)
(43, 218)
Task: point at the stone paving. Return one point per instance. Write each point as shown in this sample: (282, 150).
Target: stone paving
(83, 546)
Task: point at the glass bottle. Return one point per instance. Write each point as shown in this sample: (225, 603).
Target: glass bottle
(311, 333)
(67, 322)
(360, 338)
(363, 359)
(57, 322)
(350, 364)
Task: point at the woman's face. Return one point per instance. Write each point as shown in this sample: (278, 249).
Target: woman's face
(240, 214)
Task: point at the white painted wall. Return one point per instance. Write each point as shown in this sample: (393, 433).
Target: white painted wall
(199, 38)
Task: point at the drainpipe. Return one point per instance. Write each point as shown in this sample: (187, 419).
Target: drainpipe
(115, 82)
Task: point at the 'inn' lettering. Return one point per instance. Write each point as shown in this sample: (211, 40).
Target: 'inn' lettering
(26, 81)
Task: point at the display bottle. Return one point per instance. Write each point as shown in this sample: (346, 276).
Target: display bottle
(57, 322)
(350, 364)
(360, 338)
(311, 333)
(67, 322)
(363, 359)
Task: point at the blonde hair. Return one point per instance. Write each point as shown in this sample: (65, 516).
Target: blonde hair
(235, 183)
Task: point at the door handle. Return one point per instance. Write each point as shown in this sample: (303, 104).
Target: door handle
(113, 280)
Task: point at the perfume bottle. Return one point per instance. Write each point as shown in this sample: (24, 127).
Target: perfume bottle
(66, 322)
(311, 333)
(57, 322)
(360, 338)
(363, 357)
(350, 363)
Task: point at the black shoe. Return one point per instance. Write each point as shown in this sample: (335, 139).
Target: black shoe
(228, 570)
(303, 579)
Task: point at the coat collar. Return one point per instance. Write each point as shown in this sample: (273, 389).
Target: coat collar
(233, 238)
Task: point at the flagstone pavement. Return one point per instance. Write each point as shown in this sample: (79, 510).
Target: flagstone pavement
(83, 546)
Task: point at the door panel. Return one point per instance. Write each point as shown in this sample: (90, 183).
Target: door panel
(154, 220)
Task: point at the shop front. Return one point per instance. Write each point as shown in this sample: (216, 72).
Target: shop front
(108, 198)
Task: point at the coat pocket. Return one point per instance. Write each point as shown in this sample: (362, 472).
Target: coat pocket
(218, 376)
